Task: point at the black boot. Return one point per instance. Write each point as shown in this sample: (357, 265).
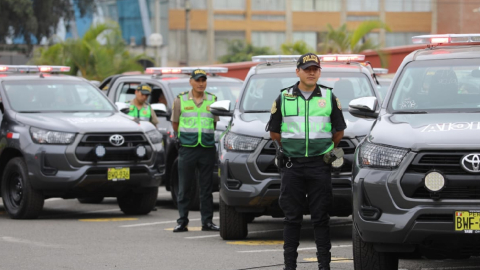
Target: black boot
(290, 260)
(324, 260)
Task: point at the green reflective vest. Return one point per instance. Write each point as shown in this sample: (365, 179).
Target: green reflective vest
(196, 125)
(144, 115)
(306, 127)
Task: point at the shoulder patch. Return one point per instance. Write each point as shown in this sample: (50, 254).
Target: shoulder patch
(339, 105)
(274, 107)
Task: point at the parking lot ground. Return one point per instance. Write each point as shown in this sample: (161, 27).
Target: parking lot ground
(70, 235)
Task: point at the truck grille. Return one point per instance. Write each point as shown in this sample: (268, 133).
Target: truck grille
(460, 184)
(85, 150)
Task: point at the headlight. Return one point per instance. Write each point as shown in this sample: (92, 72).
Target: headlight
(236, 142)
(374, 155)
(53, 137)
(155, 136)
(218, 134)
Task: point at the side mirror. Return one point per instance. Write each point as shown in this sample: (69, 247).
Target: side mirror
(364, 107)
(160, 110)
(123, 107)
(221, 108)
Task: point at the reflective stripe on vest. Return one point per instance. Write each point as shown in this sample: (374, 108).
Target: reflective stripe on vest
(306, 128)
(196, 125)
(144, 115)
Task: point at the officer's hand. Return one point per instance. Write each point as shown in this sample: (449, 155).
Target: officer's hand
(177, 143)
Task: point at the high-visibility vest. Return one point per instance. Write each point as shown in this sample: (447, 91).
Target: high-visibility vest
(196, 125)
(144, 115)
(306, 129)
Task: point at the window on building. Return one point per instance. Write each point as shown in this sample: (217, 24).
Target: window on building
(400, 38)
(362, 18)
(268, 17)
(268, 5)
(363, 5)
(309, 37)
(229, 17)
(229, 4)
(222, 38)
(408, 5)
(268, 39)
(316, 5)
(194, 4)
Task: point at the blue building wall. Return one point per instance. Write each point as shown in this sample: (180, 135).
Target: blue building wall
(130, 21)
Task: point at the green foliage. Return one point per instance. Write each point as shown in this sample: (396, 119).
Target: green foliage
(298, 47)
(239, 51)
(37, 18)
(342, 40)
(100, 53)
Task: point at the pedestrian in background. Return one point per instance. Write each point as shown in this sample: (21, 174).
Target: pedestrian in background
(194, 127)
(302, 120)
(139, 108)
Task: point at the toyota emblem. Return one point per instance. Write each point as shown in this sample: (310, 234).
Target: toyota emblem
(471, 163)
(116, 140)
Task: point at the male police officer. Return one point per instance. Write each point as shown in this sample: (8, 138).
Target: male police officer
(303, 119)
(195, 128)
(139, 108)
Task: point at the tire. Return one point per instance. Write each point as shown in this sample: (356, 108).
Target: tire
(92, 200)
(249, 218)
(233, 225)
(195, 203)
(365, 257)
(138, 203)
(20, 200)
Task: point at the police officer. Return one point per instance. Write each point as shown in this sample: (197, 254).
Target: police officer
(139, 108)
(194, 126)
(308, 122)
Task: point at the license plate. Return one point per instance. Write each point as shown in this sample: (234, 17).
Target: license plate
(467, 221)
(115, 174)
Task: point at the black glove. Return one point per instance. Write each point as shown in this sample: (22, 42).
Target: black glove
(177, 140)
(333, 155)
(279, 156)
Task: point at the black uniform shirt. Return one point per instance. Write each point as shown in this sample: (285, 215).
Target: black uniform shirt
(336, 118)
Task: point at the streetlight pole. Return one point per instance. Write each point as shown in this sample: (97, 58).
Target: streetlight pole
(187, 31)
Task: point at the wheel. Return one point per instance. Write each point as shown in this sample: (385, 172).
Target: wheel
(195, 202)
(138, 203)
(93, 200)
(233, 225)
(365, 257)
(19, 198)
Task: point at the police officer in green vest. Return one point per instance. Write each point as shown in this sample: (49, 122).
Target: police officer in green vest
(306, 119)
(194, 126)
(139, 108)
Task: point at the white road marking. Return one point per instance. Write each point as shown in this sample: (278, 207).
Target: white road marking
(456, 267)
(277, 250)
(28, 242)
(157, 223)
(54, 199)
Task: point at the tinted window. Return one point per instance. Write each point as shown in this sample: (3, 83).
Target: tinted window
(438, 85)
(263, 89)
(44, 95)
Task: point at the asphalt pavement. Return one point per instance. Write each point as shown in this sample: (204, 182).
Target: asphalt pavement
(70, 235)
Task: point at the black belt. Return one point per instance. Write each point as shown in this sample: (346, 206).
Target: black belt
(306, 159)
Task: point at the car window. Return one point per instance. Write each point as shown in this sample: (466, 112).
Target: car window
(55, 96)
(438, 85)
(127, 92)
(263, 89)
(223, 90)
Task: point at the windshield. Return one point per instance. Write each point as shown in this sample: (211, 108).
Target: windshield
(263, 89)
(223, 90)
(48, 96)
(438, 86)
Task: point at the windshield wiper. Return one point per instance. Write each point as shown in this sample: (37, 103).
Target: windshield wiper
(31, 111)
(257, 111)
(410, 112)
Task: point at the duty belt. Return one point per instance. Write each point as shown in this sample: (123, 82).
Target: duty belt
(307, 159)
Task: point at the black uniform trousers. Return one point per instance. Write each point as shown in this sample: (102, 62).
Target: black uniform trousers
(312, 179)
(191, 159)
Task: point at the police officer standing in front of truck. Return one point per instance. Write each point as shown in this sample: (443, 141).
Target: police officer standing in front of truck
(139, 108)
(194, 126)
(308, 122)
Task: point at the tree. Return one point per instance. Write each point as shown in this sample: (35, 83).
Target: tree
(342, 40)
(37, 18)
(100, 53)
(239, 51)
(298, 47)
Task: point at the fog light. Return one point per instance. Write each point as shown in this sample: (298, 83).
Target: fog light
(338, 163)
(100, 151)
(141, 151)
(434, 181)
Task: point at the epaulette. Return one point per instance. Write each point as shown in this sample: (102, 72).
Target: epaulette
(288, 87)
(323, 86)
(182, 93)
(210, 93)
